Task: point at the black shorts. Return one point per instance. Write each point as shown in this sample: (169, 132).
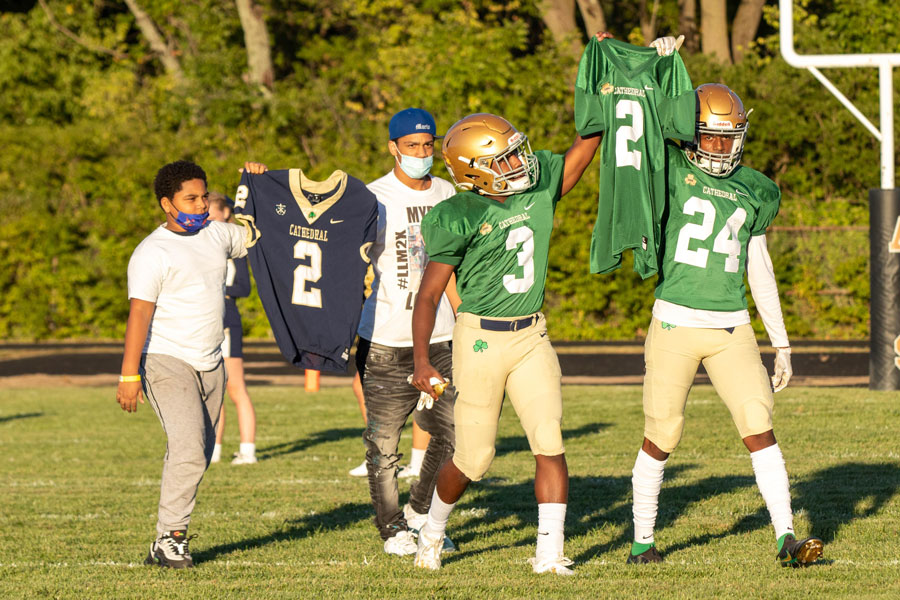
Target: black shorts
(233, 346)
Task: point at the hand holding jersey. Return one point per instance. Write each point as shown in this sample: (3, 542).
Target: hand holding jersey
(309, 253)
(639, 98)
(714, 231)
(666, 45)
(254, 168)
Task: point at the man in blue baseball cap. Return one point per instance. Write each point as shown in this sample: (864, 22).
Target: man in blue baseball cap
(412, 132)
(384, 356)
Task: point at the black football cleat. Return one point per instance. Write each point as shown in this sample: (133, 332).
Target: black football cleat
(799, 553)
(650, 555)
(171, 550)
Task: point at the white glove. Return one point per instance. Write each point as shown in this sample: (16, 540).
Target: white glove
(666, 45)
(783, 370)
(425, 399)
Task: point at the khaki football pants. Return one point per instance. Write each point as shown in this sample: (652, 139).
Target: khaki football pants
(488, 363)
(672, 356)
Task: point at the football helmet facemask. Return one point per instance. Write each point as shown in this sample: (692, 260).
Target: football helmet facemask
(720, 113)
(485, 154)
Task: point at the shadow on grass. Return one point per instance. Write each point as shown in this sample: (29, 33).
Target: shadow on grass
(833, 497)
(519, 443)
(677, 501)
(609, 503)
(340, 517)
(21, 416)
(319, 437)
(839, 495)
(594, 502)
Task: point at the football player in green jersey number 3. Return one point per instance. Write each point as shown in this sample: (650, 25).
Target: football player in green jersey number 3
(714, 231)
(496, 236)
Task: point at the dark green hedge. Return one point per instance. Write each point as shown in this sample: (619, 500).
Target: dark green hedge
(83, 134)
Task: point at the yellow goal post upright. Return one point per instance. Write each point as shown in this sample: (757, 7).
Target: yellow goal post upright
(884, 202)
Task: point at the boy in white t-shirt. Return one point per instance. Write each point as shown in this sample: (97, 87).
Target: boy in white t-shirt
(176, 279)
(384, 356)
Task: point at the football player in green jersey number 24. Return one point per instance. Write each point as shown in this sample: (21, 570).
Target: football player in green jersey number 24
(718, 212)
(496, 236)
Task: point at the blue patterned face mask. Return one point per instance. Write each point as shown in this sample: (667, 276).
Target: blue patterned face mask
(415, 167)
(192, 223)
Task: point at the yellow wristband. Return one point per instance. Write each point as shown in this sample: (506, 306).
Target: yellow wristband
(129, 378)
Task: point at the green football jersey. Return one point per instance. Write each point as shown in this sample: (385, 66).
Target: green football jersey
(499, 249)
(709, 222)
(638, 98)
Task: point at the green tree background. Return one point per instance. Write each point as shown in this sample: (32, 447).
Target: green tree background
(88, 114)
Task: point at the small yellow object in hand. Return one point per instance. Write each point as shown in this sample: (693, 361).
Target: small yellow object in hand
(438, 386)
(425, 399)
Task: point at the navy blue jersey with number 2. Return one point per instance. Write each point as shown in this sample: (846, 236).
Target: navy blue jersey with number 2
(309, 252)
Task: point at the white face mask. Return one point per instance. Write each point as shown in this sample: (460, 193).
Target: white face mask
(415, 167)
(522, 183)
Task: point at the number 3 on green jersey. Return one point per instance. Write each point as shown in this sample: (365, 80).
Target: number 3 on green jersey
(726, 241)
(524, 236)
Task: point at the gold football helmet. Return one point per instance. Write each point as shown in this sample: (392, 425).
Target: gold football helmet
(486, 154)
(721, 130)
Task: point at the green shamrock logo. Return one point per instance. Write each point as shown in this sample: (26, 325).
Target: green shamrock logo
(667, 325)
(480, 346)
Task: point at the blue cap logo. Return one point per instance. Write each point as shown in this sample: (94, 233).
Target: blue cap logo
(409, 121)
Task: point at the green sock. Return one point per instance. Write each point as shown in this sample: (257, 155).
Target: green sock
(781, 540)
(637, 548)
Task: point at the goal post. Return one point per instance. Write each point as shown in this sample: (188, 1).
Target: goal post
(884, 202)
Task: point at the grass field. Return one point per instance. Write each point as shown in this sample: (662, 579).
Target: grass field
(80, 484)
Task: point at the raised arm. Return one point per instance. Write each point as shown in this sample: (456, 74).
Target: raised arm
(578, 157)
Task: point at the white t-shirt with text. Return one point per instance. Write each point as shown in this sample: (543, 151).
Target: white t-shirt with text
(184, 275)
(399, 259)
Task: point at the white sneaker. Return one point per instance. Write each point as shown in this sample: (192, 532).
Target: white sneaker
(416, 521)
(360, 471)
(171, 550)
(402, 544)
(407, 472)
(428, 553)
(557, 566)
(243, 459)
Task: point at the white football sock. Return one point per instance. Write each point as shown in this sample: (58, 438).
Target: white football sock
(247, 449)
(551, 519)
(772, 481)
(415, 461)
(646, 481)
(438, 515)
(217, 453)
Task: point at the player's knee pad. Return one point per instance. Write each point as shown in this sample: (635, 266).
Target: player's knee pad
(665, 433)
(476, 464)
(547, 438)
(755, 418)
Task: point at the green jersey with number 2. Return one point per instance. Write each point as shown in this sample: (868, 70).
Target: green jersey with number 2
(499, 249)
(638, 98)
(710, 221)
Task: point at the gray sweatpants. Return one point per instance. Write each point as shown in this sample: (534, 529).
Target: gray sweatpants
(187, 403)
